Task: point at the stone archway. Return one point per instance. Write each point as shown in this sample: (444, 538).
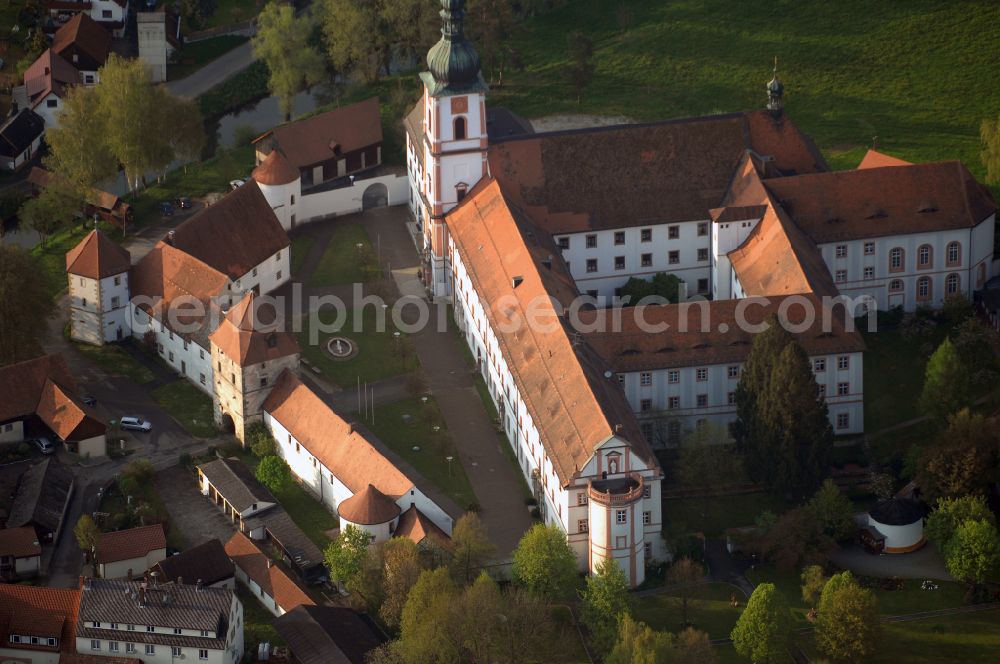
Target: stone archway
(376, 195)
(228, 425)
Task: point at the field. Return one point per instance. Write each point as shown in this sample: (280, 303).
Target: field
(910, 73)
(344, 261)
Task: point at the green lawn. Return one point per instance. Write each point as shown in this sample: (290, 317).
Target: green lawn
(116, 362)
(258, 622)
(709, 609)
(231, 11)
(301, 244)
(195, 56)
(966, 637)
(196, 179)
(430, 460)
(380, 354)
(852, 69)
(714, 515)
(191, 407)
(343, 262)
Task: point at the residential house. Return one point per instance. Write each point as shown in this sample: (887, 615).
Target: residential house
(20, 553)
(37, 624)
(20, 139)
(335, 144)
(206, 564)
(124, 553)
(84, 44)
(39, 398)
(159, 623)
(112, 15)
(46, 83)
(41, 500)
(267, 580)
(328, 635)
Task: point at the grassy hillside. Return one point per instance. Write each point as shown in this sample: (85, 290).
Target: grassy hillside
(918, 74)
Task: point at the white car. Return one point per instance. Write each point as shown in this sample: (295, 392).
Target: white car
(135, 423)
(236, 184)
(44, 445)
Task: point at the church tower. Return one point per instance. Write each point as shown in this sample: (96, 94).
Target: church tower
(775, 92)
(454, 137)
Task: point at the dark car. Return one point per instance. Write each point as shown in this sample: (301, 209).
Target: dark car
(167, 209)
(88, 400)
(183, 203)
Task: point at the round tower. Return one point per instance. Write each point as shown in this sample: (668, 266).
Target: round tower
(281, 184)
(616, 528)
(372, 511)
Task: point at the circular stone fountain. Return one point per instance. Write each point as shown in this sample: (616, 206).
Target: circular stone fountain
(341, 348)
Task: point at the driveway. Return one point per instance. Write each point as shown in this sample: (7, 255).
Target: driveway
(926, 563)
(193, 518)
(214, 72)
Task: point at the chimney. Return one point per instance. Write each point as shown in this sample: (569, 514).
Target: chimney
(350, 428)
(170, 238)
(198, 585)
(129, 577)
(180, 580)
(142, 595)
(152, 576)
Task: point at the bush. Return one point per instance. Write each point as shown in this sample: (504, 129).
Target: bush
(235, 92)
(260, 441)
(243, 135)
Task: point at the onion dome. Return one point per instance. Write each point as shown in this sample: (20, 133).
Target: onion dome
(368, 507)
(275, 170)
(453, 61)
(775, 90)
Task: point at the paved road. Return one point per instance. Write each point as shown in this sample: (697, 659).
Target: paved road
(213, 73)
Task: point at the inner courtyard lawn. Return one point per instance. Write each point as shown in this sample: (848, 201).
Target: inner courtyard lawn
(343, 261)
(401, 436)
(116, 362)
(714, 515)
(191, 407)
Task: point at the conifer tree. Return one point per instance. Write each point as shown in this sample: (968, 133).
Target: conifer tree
(764, 627)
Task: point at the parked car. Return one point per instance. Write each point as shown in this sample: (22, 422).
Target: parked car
(166, 208)
(88, 400)
(183, 203)
(236, 184)
(135, 423)
(44, 445)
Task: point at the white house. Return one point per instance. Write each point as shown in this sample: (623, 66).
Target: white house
(97, 274)
(159, 623)
(20, 553)
(124, 553)
(267, 581)
(20, 139)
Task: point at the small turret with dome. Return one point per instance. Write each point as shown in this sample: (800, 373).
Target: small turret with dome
(775, 91)
(452, 63)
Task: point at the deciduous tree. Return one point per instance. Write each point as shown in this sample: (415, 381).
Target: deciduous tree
(794, 540)
(260, 441)
(400, 565)
(471, 547)
(682, 574)
(973, 552)
(87, 533)
(949, 513)
(544, 563)
(581, 62)
(947, 386)
(283, 43)
(490, 25)
(345, 555)
(989, 133)
(813, 580)
(963, 460)
(638, 643)
(356, 36)
(56, 207)
(605, 601)
(24, 305)
(425, 634)
(274, 473)
(832, 511)
(833, 584)
(692, 646)
(849, 628)
(763, 629)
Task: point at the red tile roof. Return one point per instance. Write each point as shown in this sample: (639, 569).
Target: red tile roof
(65, 414)
(324, 136)
(415, 525)
(36, 611)
(368, 507)
(877, 202)
(335, 442)
(131, 543)
(275, 170)
(87, 36)
(97, 256)
(49, 73)
(562, 382)
(270, 576)
(875, 159)
(246, 337)
(19, 542)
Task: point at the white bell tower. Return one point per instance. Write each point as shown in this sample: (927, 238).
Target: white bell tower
(455, 138)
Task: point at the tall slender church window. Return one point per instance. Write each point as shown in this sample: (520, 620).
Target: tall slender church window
(459, 128)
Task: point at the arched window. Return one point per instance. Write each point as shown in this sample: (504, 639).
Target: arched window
(896, 257)
(954, 254)
(952, 284)
(924, 256)
(459, 128)
(461, 189)
(896, 286)
(923, 289)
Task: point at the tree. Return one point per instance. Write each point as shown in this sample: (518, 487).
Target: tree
(345, 555)
(196, 11)
(471, 547)
(87, 533)
(683, 573)
(78, 151)
(490, 25)
(639, 644)
(424, 633)
(662, 285)
(947, 386)
(187, 136)
(260, 441)
(282, 42)
(414, 25)
(813, 581)
(849, 628)
(834, 584)
(401, 567)
(707, 460)
(974, 343)
(24, 305)
(56, 207)
(356, 37)
(33, 48)
(692, 646)
(963, 459)
(832, 511)
(605, 601)
(763, 629)
(949, 513)
(581, 62)
(794, 540)
(973, 553)
(274, 473)
(989, 133)
(544, 563)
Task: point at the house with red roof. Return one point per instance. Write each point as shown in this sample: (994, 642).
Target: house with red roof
(269, 581)
(123, 553)
(110, 15)
(20, 553)
(37, 624)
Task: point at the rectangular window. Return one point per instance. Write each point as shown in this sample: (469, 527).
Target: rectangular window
(731, 398)
(255, 272)
(591, 265)
(703, 285)
(646, 260)
(673, 232)
(674, 257)
(841, 251)
(702, 400)
(591, 241)
(202, 653)
(619, 262)
(869, 272)
(841, 276)
(130, 627)
(646, 235)
(843, 389)
(115, 302)
(673, 402)
(150, 649)
(822, 391)
(130, 648)
(96, 625)
(733, 371)
(263, 381)
(51, 103)
(95, 644)
(582, 526)
(703, 254)
(819, 364)
(646, 405)
(701, 374)
(673, 376)
(178, 630)
(843, 420)
(150, 628)
(621, 516)
(201, 378)
(647, 518)
(564, 243)
(844, 362)
(581, 498)
(702, 228)
(646, 378)
(175, 651)
(619, 237)
(869, 248)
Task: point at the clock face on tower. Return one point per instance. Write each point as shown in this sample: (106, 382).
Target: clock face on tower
(459, 104)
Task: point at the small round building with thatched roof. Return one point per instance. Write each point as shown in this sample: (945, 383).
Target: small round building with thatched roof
(901, 521)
